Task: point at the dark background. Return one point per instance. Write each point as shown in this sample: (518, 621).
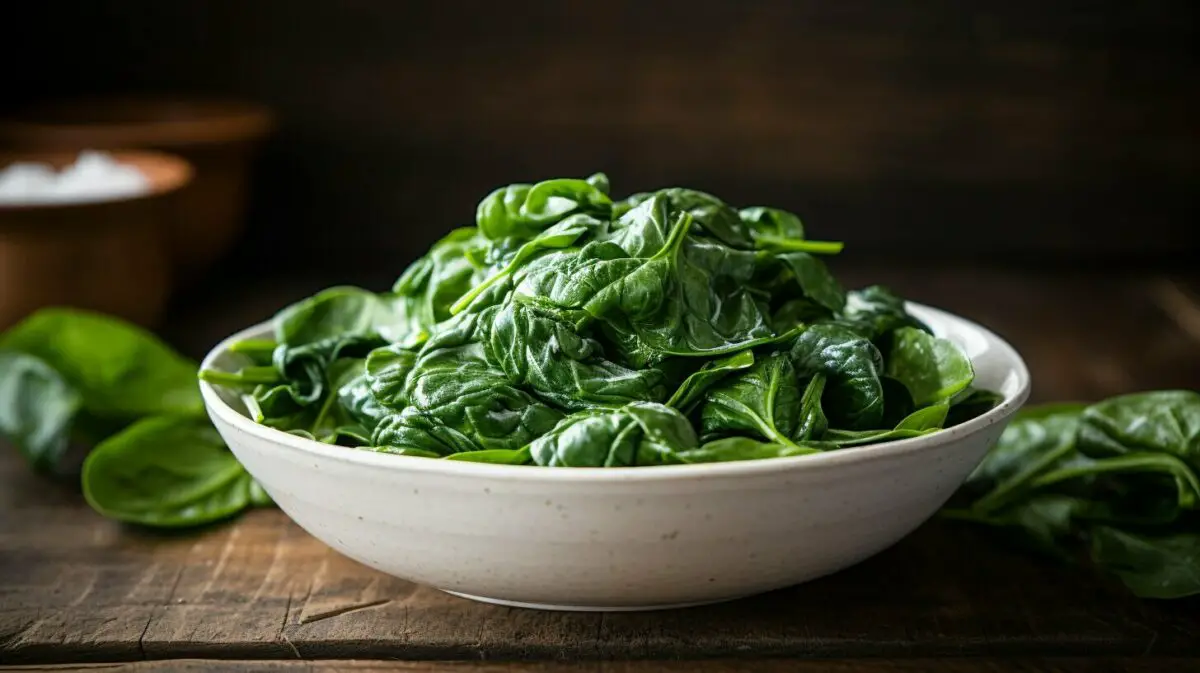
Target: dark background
(1014, 133)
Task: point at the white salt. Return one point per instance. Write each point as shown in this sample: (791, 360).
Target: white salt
(95, 176)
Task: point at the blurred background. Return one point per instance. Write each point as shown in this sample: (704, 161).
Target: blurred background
(1036, 137)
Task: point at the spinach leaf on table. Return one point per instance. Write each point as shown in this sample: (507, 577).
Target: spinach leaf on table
(74, 374)
(1109, 477)
(167, 471)
(37, 409)
(1163, 421)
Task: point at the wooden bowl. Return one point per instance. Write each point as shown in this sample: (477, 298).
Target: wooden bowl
(219, 138)
(109, 256)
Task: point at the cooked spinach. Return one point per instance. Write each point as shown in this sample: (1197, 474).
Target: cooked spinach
(1117, 479)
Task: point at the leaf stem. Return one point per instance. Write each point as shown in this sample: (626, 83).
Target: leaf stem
(800, 245)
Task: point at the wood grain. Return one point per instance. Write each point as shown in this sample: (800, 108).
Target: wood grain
(1062, 665)
(75, 588)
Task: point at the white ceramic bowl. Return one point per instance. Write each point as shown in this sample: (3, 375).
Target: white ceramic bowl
(621, 538)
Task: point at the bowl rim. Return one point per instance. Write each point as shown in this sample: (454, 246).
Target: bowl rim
(829, 459)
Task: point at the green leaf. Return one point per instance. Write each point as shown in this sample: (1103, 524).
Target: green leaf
(559, 236)
(545, 355)
(934, 370)
(641, 433)
(741, 448)
(929, 418)
(764, 400)
(813, 422)
(691, 392)
(772, 222)
(37, 409)
(166, 471)
(118, 369)
(495, 456)
(1151, 566)
(876, 311)
(815, 280)
(1166, 421)
(523, 210)
(852, 365)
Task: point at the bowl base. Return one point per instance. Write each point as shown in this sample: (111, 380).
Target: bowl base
(588, 608)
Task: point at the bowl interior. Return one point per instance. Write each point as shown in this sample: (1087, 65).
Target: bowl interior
(164, 172)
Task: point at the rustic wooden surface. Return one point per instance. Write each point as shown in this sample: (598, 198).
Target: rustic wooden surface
(75, 588)
(1062, 665)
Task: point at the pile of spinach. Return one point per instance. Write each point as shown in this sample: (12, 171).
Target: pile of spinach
(1116, 483)
(568, 328)
(71, 378)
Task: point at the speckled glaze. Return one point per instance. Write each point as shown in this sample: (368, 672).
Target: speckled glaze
(621, 538)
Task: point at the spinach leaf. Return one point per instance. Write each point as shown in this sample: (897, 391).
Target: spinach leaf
(772, 222)
(37, 409)
(413, 432)
(387, 371)
(343, 312)
(167, 471)
(453, 383)
(934, 370)
(1166, 421)
(741, 448)
(928, 418)
(764, 400)
(559, 236)
(852, 365)
(640, 433)
(570, 371)
(813, 422)
(433, 283)
(691, 392)
(875, 311)
(815, 280)
(495, 456)
(523, 210)
(1152, 566)
(1070, 475)
(118, 369)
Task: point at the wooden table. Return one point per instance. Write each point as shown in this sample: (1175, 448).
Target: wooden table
(77, 591)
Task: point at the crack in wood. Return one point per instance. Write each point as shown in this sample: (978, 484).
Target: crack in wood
(337, 612)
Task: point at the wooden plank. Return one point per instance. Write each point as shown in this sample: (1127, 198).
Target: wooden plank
(77, 588)
(1063, 665)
